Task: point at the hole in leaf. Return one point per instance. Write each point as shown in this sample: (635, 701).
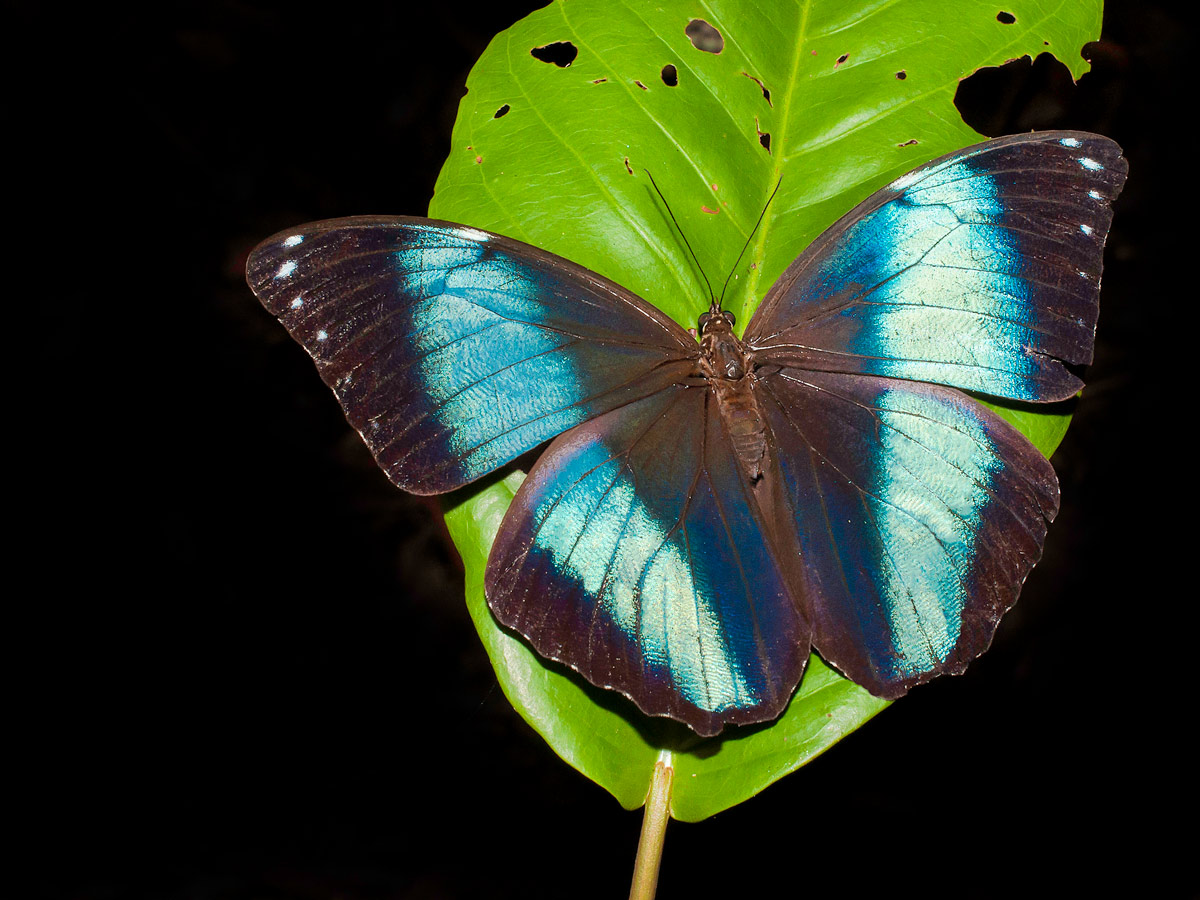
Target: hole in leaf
(1021, 95)
(901, 75)
(1005, 18)
(764, 137)
(670, 76)
(908, 143)
(628, 168)
(841, 59)
(599, 80)
(561, 53)
(502, 111)
(711, 212)
(762, 87)
(642, 86)
(704, 37)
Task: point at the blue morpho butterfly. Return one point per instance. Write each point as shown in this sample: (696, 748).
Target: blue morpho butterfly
(710, 510)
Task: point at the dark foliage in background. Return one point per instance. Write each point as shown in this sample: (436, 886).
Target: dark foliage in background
(249, 672)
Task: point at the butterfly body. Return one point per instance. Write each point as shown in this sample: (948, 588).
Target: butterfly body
(728, 369)
(709, 510)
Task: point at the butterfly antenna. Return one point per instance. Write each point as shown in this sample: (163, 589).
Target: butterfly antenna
(712, 296)
(750, 238)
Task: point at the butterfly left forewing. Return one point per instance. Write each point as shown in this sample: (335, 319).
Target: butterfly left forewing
(918, 515)
(634, 553)
(453, 351)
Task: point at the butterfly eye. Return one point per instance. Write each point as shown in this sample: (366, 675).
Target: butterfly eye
(729, 317)
(704, 319)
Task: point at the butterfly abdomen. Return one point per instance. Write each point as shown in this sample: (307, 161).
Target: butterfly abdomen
(744, 423)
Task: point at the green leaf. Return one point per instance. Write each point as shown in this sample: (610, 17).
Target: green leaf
(850, 95)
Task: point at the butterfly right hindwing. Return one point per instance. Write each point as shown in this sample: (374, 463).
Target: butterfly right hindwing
(918, 514)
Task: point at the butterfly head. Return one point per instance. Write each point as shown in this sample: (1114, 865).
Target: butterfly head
(721, 353)
(716, 321)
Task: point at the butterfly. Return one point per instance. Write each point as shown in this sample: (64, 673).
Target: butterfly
(712, 507)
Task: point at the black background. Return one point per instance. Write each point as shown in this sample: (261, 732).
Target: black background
(247, 670)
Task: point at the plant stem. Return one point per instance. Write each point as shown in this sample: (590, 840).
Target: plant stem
(654, 831)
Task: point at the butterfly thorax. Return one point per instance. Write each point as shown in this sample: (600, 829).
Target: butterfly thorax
(729, 369)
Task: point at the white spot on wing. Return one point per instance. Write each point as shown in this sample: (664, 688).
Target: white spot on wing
(1086, 229)
(293, 240)
(1070, 142)
(286, 269)
(1090, 164)
(322, 334)
(297, 303)
(472, 234)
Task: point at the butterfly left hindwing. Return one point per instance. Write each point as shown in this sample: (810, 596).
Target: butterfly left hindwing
(634, 552)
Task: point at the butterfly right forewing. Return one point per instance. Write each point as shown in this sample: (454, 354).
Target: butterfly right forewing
(980, 270)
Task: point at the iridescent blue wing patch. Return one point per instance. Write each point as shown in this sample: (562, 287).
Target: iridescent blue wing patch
(918, 515)
(452, 350)
(633, 553)
(980, 270)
